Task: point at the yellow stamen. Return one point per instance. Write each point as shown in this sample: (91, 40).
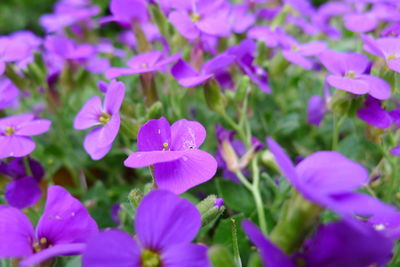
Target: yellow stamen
(165, 146)
(294, 48)
(350, 74)
(9, 131)
(391, 57)
(195, 17)
(104, 118)
(150, 258)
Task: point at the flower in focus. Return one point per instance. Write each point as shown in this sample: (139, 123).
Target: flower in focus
(98, 142)
(165, 226)
(15, 132)
(24, 190)
(340, 244)
(349, 73)
(173, 151)
(328, 179)
(63, 229)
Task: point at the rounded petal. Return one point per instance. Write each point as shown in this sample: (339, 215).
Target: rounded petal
(114, 97)
(186, 255)
(378, 87)
(153, 135)
(340, 63)
(88, 116)
(143, 159)
(57, 250)
(271, 255)
(187, 134)
(65, 219)
(15, 120)
(91, 147)
(112, 248)
(15, 146)
(360, 22)
(163, 219)
(108, 132)
(16, 233)
(184, 24)
(194, 168)
(297, 58)
(33, 127)
(331, 172)
(23, 192)
(354, 86)
(113, 73)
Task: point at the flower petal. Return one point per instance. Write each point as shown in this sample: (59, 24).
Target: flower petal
(164, 219)
(143, 159)
(88, 116)
(112, 248)
(194, 168)
(354, 86)
(114, 97)
(91, 147)
(65, 219)
(113, 73)
(378, 87)
(184, 24)
(153, 135)
(22, 192)
(187, 135)
(16, 233)
(15, 146)
(186, 255)
(34, 127)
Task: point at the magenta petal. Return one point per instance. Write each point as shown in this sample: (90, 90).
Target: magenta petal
(65, 219)
(297, 58)
(354, 86)
(184, 24)
(271, 255)
(88, 116)
(144, 60)
(194, 81)
(109, 131)
(183, 70)
(16, 233)
(394, 64)
(113, 73)
(357, 204)
(178, 176)
(331, 172)
(378, 87)
(164, 219)
(22, 192)
(215, 25)
(187, 135)
(360, 22)
(186, 255)
(15, 120)
(143, 159)
(376, 116)
(153, 135)
(15, 146)
(91, 146)
(341, 63)
(112, 248)
(114, 97)
(284, 163)
(57, 250)
(2, 67)
(34, 127)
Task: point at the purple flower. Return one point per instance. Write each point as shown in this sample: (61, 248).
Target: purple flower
(98, 142)
(388, 223)
(143, 63)
(63, 229)
(340, 244)
(15, 132)
(194, 17)
(9, 93)
(12, 50)
(67, 49)
(240, 19)
(165, 226)
(265, 34)
(387, 48)
(24, 190)
(189, 77)
(374, 114)
(349, 74)
(173, 151)
(328, 179)
(127, 12)
(316, 110)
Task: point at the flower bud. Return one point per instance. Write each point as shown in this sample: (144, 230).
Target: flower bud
(210, 209)
(135, 196)
(216, 101)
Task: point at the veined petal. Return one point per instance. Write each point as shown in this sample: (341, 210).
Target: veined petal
(153, 135)
(114, 97)
(163, 219)
(108, 132)
(187, 134)
(147, 158)
(186, 255)
(194, 168)
(88, 116)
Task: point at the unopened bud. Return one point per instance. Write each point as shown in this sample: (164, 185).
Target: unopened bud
(135, 196)
(210, 209)
(216, 101)
(230, 156)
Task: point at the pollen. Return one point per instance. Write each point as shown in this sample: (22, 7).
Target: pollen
(9, 131)
(104, 118)
(150, 258)
(165, 146)
(144, 65)
(195, 17)
(294, 48)
(350, 74)
(391, 57)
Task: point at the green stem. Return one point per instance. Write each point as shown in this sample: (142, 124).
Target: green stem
(336, 130)
(27, 166)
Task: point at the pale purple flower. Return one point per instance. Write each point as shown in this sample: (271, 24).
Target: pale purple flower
(173, 151)
(143, 63)
(165, 226)
(329, 179)
(9, 93)
(63, 229)
(15, 132)
(98, 141)
(66, 48)
(240, 18)
(12, 50)
(349, 73)
(127, 12)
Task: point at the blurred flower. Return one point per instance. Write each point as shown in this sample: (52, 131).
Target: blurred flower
(328, 179)
(9, 93)
(127, 12)
(63, 229)
(173, 151)
(374, 114)
(15, 131)
(98, 142)
(349, 73)
(165, 226)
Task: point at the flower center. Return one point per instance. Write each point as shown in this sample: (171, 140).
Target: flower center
(195, 17)
(165, 146)
(350, 74)
(9, 131)
(391, 57)
(104, 118)
(144, 65)
(43, 243)
(294, 48)
(150, 258)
